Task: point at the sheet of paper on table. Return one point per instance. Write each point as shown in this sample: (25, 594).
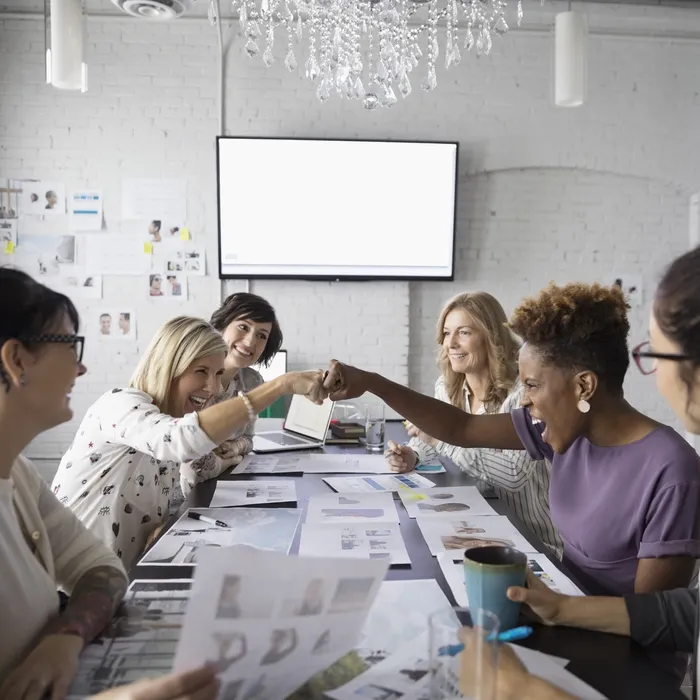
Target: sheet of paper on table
(445, 501)
(354, 540)
(312, 464)
(141, 640)
(264, 528)
(248, 493)
(549, 574)
(374, 484)
(361, 508)
(269, 464)
(268, 639)
(458, 533)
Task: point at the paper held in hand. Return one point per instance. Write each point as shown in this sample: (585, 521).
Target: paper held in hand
(265, 638)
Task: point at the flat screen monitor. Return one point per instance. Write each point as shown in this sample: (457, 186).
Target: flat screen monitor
(335, 209)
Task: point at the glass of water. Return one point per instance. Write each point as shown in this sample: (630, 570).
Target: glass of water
(374, 427)
(463, 654)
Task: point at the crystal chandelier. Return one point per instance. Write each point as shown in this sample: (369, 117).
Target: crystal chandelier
(368, 50)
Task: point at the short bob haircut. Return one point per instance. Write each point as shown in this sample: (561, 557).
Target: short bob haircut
(176, 345)
(243, 306)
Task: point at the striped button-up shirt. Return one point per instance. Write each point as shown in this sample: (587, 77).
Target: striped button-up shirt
(521, 482)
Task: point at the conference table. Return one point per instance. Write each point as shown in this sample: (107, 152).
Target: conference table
(616, 666)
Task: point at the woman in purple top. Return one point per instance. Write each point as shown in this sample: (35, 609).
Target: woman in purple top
(625, 489)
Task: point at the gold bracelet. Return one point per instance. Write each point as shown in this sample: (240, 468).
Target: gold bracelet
(249, 407)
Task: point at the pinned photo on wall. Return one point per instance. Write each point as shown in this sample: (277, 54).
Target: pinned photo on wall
(159, 230)
(116, 324)
(43, 197)
(167, 286)
(10, 191)
(85, 210)
(631, 286)
(8, 232)
(76, 283)
(180, 257)
(154, 198)
(44, 255)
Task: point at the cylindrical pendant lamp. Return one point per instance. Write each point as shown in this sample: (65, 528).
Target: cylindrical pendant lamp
(570, 49)
(65, 39)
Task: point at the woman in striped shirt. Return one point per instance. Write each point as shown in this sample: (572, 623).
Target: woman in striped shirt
(478, 360)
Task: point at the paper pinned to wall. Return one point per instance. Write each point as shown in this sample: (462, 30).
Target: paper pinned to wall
(8, 232)
(41, 255)
(167, 287)
(154, 198)
(180, 257)
(75, 282)
(116, 324)
(116, 254)
(85, 210)
(42, 198)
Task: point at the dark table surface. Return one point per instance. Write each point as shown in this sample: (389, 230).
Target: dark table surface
(616, 666)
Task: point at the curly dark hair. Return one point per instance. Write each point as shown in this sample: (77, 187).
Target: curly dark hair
(578, 327)
(677, 309)
(246, 306)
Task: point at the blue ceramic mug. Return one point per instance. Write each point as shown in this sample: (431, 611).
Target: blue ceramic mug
(488, 573)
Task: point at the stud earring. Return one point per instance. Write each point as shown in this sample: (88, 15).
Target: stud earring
(583, 406)
(23, 379)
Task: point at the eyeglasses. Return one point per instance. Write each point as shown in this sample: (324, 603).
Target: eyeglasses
(645, 359)
(77, 342)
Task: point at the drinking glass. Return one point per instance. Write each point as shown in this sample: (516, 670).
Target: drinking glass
(374, 427)
(469, 674)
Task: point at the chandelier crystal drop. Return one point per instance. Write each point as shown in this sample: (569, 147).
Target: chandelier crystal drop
(370, 50)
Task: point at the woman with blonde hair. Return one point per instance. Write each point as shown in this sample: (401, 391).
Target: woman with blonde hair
(119, 474)
(478, 360)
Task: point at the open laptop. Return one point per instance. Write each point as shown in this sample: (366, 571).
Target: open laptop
(304, 428)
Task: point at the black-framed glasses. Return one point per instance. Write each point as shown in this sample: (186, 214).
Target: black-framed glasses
(77, 342)
(645, 358)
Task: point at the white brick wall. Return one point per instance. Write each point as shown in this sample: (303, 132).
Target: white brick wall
(543, 193)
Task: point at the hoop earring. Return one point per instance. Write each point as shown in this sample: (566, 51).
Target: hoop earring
(583, 406)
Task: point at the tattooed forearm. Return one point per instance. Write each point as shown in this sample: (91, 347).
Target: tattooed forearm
(92, 604)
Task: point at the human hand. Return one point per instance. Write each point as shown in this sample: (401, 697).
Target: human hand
(543, 602)
(488, 669)
(308, 384)
(417, 432)
(49, 668)
(401, 458)
(200, 684)
(345, 381)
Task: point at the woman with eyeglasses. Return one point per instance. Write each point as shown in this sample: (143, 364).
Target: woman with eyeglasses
(43, 546)
(625, 489)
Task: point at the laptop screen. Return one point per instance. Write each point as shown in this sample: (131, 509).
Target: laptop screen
(307, 418)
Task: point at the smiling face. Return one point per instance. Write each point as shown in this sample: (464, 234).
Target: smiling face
(684, 400)
(50, 371)
(552, 395)
(246, 342)
(200, 382)
(464, 342)
(105, 324)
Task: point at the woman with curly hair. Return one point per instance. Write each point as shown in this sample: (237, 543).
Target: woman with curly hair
(625, 489)
(478, 359)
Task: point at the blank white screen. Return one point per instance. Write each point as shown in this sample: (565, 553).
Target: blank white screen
(297, 208)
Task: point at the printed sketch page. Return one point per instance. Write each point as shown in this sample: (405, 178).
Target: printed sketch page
(352, 508)
(268, 639)
(344, 464)
(374, 484)
(259, 464)
(378, 541)
(445, 501)
(248, 493)
(264, 528)
(457, 534)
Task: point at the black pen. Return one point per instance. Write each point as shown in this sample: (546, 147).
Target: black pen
(204, 518)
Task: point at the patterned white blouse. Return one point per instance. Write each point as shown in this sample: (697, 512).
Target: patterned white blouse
(119, 473)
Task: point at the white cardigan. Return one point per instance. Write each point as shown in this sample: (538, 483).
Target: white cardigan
(64, 551)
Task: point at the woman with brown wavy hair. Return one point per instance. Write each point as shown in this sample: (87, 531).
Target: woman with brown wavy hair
(478, 360)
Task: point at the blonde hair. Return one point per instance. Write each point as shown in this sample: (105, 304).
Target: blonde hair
(175, 346)
(501, 348)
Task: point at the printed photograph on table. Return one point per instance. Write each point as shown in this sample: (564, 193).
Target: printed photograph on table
(263, 528)
(455, 534)
(44, 255)
(167, 286)
(114, 324)
(324, 508)
(445, 501)
(42, 198)
(354, 540)
(8, 233)
(379, 484)
(247, 493)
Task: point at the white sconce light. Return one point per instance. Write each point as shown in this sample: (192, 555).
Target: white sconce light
(65, 44)
(570, 49)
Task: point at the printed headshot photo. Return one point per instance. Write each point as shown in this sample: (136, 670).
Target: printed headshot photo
(116, 325)
(43, 198)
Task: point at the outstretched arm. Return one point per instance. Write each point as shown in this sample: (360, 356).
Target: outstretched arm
(438, 419)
